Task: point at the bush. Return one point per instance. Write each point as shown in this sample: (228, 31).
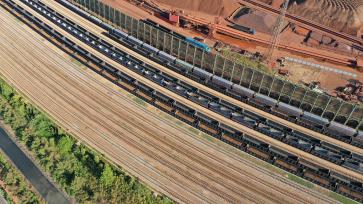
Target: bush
(81, 172)
(15, 183)
(240, 59)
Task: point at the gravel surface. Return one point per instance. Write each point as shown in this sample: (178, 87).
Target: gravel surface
(165, 156)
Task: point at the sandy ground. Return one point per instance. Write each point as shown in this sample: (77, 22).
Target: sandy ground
(213, 114)
(222, 8)
(263, 27)
(293, 126)
(260, 21)
(148, 146)
(341, 15)
(306, 74)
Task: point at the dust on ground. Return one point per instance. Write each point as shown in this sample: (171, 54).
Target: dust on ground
(300, 73)
(221, 8)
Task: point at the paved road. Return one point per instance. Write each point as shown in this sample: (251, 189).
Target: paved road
(46, 189)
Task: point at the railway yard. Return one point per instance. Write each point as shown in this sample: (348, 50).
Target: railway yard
(92, 100)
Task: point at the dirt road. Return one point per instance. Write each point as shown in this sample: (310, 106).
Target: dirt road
(166, 157)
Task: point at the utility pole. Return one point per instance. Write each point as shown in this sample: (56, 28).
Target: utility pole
(276, 32)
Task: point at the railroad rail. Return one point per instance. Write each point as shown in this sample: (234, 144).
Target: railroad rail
(309, 24)
(344, 60)
(146, 50)
(130, 141)
(244, 117)
(142, 88)
(102, 48)
(352, 119)
(36, 79)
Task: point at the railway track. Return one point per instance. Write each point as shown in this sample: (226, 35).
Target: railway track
(299, 155)
(99, 31)
(150, 143)
(311, 25)
(83, 117)
(130, 129)
(343, 60)
(38, 79)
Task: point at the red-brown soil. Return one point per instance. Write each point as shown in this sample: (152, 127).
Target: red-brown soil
(221, 8)
(342, 15)
(260, 21)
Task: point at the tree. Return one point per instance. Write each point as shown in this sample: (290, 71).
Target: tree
(108, 177)
(7, 91)
(43, 126)
(65, 145)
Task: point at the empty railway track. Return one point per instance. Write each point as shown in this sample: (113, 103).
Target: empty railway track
(99, 31)
(254, 110)
(88, 108)
(355, 150)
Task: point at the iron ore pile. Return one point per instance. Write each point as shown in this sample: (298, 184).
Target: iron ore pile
(342, 15)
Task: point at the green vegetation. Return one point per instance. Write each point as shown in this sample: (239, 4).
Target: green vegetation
(15, 184)
(342, 199)
(81, 172)
(139, 101)
(207, 137)
(238, 58)
(300, 181)
(5, 195)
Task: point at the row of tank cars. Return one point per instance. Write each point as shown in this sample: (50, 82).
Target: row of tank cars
(262, 150)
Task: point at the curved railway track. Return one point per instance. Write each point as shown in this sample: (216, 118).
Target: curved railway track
(260, 136)
(111, 130)
(39, 79)
(99, 31)
(175, 147)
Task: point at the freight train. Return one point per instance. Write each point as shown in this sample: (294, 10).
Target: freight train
(285, 160)
(279, 108)
(258, 100)
(224, 108)
(264, 151)
(286, 111)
